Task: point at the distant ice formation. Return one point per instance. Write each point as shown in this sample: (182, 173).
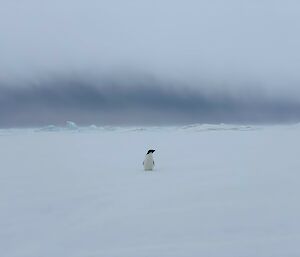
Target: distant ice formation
(72, 126)
(217, 127)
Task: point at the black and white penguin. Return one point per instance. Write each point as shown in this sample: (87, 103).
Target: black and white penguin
(149, 162)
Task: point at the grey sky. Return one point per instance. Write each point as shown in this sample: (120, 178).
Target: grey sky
(225, 46)
(214, 39)
(123, 101)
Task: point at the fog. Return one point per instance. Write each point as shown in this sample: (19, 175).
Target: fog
(169, 61)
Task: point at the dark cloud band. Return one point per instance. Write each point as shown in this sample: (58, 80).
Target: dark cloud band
(138, 101)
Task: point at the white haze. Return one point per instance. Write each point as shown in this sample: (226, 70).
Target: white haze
(237, 43)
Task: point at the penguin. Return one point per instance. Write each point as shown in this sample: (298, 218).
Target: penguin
(149, 162)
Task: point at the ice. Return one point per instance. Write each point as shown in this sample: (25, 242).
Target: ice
(227, 191)
(217, 127)
(49, 128)
(72, 125)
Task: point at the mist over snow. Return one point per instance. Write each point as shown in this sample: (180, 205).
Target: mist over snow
(154, 62)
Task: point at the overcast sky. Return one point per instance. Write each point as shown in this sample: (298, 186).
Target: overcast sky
(232, 47)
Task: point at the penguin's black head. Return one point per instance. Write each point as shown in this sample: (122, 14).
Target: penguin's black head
(151, 151)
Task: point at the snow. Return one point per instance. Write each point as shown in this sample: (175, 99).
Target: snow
(217, 190)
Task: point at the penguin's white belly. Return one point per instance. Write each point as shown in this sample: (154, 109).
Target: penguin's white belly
(148, 163)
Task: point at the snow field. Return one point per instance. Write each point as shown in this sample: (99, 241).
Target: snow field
(214, 192)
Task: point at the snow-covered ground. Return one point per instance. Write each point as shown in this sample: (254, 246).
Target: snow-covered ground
(217, 190)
